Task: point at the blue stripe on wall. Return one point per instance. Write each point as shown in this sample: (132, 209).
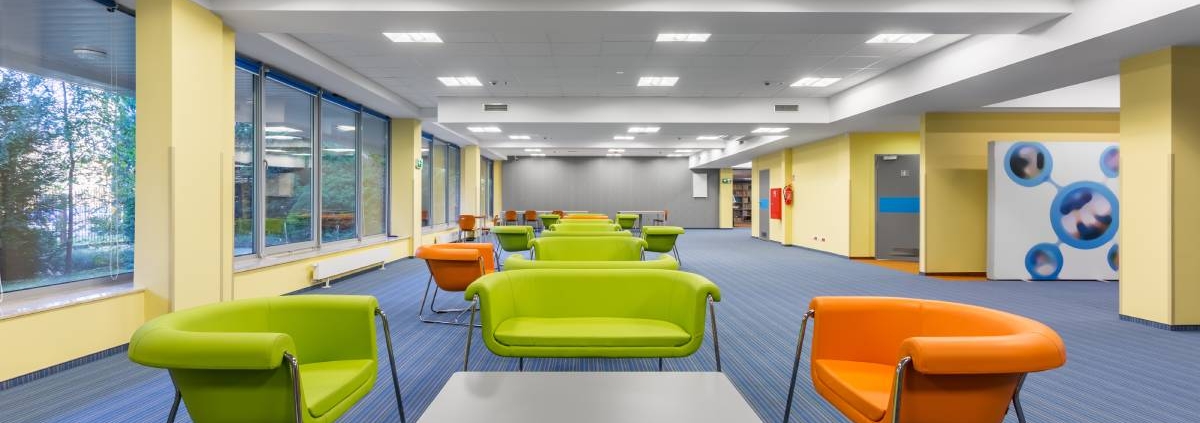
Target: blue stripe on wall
(899, 204)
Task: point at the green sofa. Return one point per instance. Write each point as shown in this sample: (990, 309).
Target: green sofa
(588, 227)
(589, 248)
(303, 358)
(569, 313)
(585, 233)
(663, 262)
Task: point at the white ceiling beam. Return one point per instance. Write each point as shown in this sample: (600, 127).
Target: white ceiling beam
(806, 6)
(631, 109)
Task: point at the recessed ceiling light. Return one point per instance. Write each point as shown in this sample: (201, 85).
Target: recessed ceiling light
(518, 137)
(460, 81)
(346, 128)
(643, 129)
(533, 150)
(620, 72)
(612, 155)
(616, 150)
(413, 37)
(709, 137)
(623, 137)
(657, 81)
(898, 38)
(769, 130)
(683, 38)
(424, 150)
(281, 137)
(674, 155)
(281, 129)
(538, 155)
(815, 82)
(685, 150)
(485, 129)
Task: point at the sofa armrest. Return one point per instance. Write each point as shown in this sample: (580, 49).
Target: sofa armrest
(327, 327)
(495, 301)
(175, 349)
(1019, 353)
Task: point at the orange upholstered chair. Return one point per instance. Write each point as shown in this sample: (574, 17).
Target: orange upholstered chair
(918, 361)
(559, 213)
(510, 217)
(453, 267)
(466, 223)
(530, 218)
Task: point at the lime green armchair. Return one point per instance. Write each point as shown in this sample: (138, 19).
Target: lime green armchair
(548, 220)
(559, 233)
(627, 220)
(661, 239)
(576, 248)
(577, 313)
(585, 227)
(513, 239)
(305, 358)
(663, 262)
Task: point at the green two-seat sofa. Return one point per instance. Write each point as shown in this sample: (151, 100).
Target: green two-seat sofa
(589, 252)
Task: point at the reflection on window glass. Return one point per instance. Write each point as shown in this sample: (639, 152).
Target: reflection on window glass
(485, 187)
(339, 183)
(374, 174)
(426, 180)
(243, 162)
(454, 173)
(66, 145)
(439, 183)
(287, 119)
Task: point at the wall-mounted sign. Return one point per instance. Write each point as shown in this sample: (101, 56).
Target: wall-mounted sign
(420, 163)
(726, 180)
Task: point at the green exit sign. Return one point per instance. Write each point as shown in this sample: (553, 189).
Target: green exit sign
(726, 180)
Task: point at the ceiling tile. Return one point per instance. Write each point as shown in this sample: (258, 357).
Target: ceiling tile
(625, 48)
(525, 49)
(853, 61)
(629, 37)
(521, 37)
(467, 37)
(574, 37)
(575, 48)
(729, 48)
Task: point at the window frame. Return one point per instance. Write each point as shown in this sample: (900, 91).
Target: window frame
(314, 170)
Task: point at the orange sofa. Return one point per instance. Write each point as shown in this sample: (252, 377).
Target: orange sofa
(954, 363)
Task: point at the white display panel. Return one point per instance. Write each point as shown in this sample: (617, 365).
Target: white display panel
(1053, 210)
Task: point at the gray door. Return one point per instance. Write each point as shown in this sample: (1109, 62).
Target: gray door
(897, 211)
(764, 203)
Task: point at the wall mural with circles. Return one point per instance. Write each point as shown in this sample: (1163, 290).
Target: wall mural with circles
(1053, 211)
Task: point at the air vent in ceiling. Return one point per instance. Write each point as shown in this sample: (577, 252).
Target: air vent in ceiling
(495, 107)
(787, 107)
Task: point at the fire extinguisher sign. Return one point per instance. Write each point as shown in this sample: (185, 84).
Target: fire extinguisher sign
(777, 203)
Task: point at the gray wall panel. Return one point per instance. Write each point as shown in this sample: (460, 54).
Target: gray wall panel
(608, 184)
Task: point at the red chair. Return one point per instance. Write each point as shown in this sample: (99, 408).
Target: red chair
(531, 219)
(559, 213)
(466, 223)
(510, 217)
(453, 267)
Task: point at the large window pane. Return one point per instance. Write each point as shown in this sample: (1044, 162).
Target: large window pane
(243, 162)
(426, 180)
(288, 117)
(439, 183)
(454, 178)
(374, 156)
(485, 187)
(66, 145)
(339, 181)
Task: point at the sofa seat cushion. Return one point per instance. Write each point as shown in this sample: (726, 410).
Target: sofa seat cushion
(590, 332)
(865, 386)
(327, 383)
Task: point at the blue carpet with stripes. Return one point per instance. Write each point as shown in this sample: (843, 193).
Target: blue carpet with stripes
(1116, 372)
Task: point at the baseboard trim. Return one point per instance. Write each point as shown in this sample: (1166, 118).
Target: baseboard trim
(38, 374)
(1157, 325)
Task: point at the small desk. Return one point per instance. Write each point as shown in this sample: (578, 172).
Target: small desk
(641, 213)
(589, 397)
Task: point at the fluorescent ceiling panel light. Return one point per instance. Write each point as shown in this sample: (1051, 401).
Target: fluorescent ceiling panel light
(657, 81)
(898, 38)
(623, 137)
(424, 150)
(518, 137)
(533, 150)
(538, 155)
(485, 129)
(709, 137)
(683, 38)
(460, 81)
(815, 82)
(769, 130)
(338, 150)
(413, 37)
(685, 150)
(286, 129)
(346, 128)
(643, 129)
(612, 155)
(674, 155)
(616, 150)
(281, 137)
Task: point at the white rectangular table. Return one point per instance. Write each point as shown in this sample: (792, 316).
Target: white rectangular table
(642, 213)
(589, 397)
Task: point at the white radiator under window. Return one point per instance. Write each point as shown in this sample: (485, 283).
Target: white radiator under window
(330, 268)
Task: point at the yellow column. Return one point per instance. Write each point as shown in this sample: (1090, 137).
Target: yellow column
(406, 180)
(785, 178)
(184, 232)
(470, 180)
(725, 200)
(1160, 170)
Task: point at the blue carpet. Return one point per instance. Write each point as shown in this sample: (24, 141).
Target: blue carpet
(1116, 372)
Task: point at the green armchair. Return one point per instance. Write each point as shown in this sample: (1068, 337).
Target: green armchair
(548, 219)
(559, 233)
(663, 262)
(586, 227)
(627, 220)
(661, 239)
(576, 313)
(304, 358)
(576, 248)
(513, 239)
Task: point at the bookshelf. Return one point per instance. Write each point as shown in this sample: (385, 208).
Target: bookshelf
(741, 203)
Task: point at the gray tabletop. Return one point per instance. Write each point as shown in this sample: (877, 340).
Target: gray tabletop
(587, 397)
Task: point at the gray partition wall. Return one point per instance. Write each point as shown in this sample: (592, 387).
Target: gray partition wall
(608, 184)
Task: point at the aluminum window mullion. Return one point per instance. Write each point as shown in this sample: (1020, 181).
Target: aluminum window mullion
(318, 213)
(358, 179)
(259, 222)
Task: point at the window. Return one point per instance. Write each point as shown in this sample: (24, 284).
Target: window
(485, 187)
(300, 151)
(426, 180)
(440, 181)
(66, 145)
(453, 182)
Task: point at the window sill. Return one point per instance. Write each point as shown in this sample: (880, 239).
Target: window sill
(248, 263)
(37, 300)
(428, 230)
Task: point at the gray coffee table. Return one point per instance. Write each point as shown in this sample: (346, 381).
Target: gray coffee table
(587, 397)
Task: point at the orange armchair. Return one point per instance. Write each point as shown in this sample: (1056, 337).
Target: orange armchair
(466, 223)
(918, 361)
(453, 267)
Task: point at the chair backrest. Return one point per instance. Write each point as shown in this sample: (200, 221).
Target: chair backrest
(530, 215)
(559, 213)
(585, 221)
(661, 239)
(587, 216)
(561, 232)
(510, 215)
(518, 262)
(626, 220)
(514, 238)
(585, 227)
(466, 222)
(603, 248)
(456, 265)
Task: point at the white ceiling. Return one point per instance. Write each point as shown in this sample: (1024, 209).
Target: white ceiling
(40, 36)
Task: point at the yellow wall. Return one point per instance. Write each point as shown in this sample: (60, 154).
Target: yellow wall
(498, 183)
(725, 200)
(39, 340)
(470, 183)
(287, 277)
(863, 148)
(820, 212)
(779, 163)
(954, 175)
(1160, 165)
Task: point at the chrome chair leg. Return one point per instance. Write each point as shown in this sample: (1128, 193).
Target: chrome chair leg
(294, 366)
(520, 364)
(712, 311)
(387, 337)
(470, 331)
(174, 406)
(421, 309)
(897, 387)
(1016, 400)
(675, 249)
(787, 408)
(660, 364)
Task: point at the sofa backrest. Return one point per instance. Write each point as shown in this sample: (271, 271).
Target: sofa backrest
(585, 233)
(588, 248)
(590, 227)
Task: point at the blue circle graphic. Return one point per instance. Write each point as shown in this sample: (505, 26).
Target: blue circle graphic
(1044, 261)
(1085, 215)
(1032, 162)
(1110, 161)
(1114, 257)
